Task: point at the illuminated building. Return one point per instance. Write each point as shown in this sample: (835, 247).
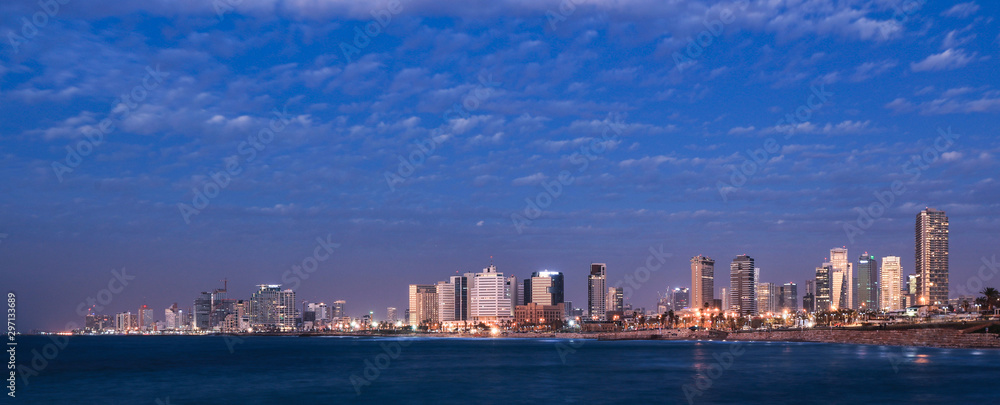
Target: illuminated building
(272, 309)
(931, 254)
(743, 292)
(890, 297)
(702, 281)
(596, 290)
(423, 304)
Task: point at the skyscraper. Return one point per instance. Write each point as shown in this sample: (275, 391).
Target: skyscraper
(841, 278)
(545, 288)
(423, 304)
(724, 292)
(202, 310)
(513, 292)
(822, 300)
(866, 287)
(390, 315)
(741, 280)
(702, 281)
(172, 317)
(616, 299)
(337, 311)
(272, 308)
(891, 284)
(932, 257)
(789, 300)
(767, 298)
(680, 298)
(597, 291)
(809, 298)
(446, 301)
(146, 321)
(488, 298)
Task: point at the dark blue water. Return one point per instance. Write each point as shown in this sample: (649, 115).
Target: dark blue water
(202, 370)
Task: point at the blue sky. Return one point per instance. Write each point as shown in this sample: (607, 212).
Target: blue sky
(510, 92)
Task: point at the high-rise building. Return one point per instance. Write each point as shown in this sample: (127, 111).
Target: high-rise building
(680, 298)
(891, 279)
(842, 278)
(446, 301)
(767, 298)
(743, 297)
(702, 281)
(789, 297)
(616, 299)
(172, 317)
(809, 298)
(545, 288)
(390, 315)
(423, 304)
(932, 257)
(513, 292)
(146, 321)
(489, 299)
(866, 287)
(125, 322)
(726, 305)
(337, 311)
(272, 309)
(822, 300)
(597, 290)
(202, 310)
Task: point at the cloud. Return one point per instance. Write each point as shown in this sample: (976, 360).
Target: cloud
(961, 10)
(947, 60)
(529, 180)
(741, 130)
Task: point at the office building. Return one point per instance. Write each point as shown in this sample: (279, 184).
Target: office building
(535, 314)
(172, 317)
(767, 298)
(890, 296)
(866, 288)
(423, 305)
(597, 290)
(931, 257)
(272, 309)
(680, 298)
(390, 315)
(822, 299)
(789, 298)
(724, 293)
(337, 311)
(841, 278)
(488, 297)
(446, 301)
(146, 321)
(616, 299)
(545, 288)
(743, 294)
(513, 290)
(702, 281)
(125, 322)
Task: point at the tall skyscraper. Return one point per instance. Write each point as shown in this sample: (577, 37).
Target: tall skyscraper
(545, 288)
(789, 297)
(680, 298)
(767, 298)
(514, 292)
(702, 281)
(616, 299)
(390, 315)
(337, 311)
(202, 310)
(172, 317)
(423, 304)
(597, 290)
(866, 287)
(446, 301)
(146, 321)
(932, 257)
(488, 298)
(743, 296)
(726, 305)
(125, 322)
(822, 300)
(890, 298)
(809, 298)
(272, 308)
(842, 278)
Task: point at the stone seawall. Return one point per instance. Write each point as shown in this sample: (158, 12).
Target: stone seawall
(949, 338)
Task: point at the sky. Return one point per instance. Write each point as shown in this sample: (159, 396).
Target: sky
(383, 144)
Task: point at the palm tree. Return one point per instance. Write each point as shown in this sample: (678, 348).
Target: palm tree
(990, 298)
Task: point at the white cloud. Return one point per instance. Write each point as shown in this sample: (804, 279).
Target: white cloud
(947, 60)
(529, 179)
(962, 10)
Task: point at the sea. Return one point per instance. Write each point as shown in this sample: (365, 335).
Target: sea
(179, 370)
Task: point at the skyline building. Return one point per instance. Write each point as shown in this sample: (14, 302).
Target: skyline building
(513, 292)
(616, 299)
(173, 317)
(488, 297)
(789, 297)
(724, 292)
(390, 315)
(202, 310)
(597, 291)
(743, 297)
(822, 300)
(890, 297)
(337, 311)
(680, 298)
(125, 322)
(702, 281)
(867, 284)
(545, 288)
(931, 257)
(423, 304)
(446, 301)
(841, 278)
(146, 321)
(272, 309)
(767, 298)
